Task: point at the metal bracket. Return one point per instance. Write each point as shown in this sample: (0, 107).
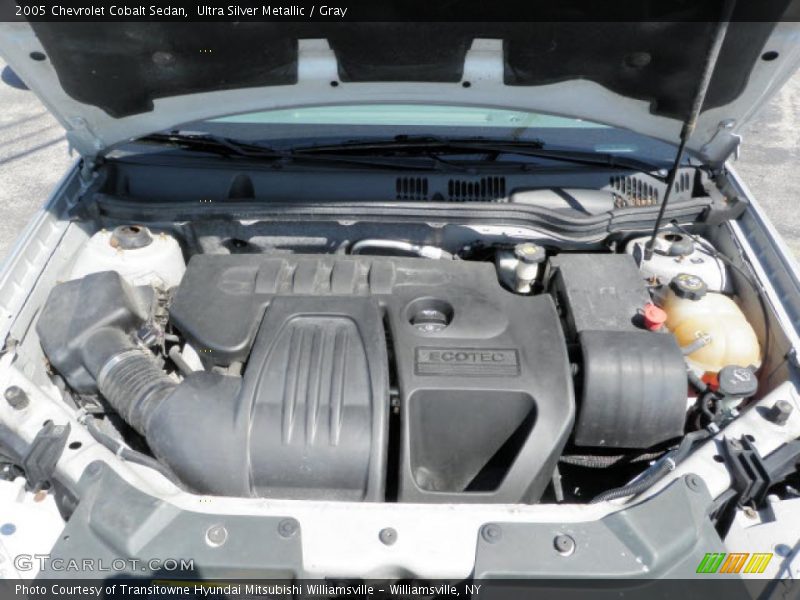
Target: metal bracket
(484, 62)
(725, 138)
(749, 474)
(316, 61)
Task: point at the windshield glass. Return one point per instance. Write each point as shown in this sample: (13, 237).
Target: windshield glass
(410, 115)
(326, 124)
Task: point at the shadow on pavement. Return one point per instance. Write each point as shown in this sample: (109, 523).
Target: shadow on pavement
(32, 150)
(10, 78)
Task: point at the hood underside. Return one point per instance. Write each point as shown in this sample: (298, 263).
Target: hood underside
(111, 82)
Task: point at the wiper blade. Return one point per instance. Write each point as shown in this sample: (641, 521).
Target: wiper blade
(228, 147)
(415, 144)
(211, 143)
(437, 146)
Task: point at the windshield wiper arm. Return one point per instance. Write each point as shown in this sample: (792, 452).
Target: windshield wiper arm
(436, 145)
(228, 147)
(211, 143)
(367, 154)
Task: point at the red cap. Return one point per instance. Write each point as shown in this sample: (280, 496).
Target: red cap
(654, 317)
(712, 380)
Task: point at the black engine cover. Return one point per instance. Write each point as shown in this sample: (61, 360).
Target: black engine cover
(481, 375)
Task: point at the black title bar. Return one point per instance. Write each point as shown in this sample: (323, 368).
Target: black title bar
(395, 10)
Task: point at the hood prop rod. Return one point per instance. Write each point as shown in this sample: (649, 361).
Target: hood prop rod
(691, 120)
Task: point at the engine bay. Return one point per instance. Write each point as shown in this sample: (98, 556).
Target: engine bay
(402, 304)
(374, 369)
(391, 370)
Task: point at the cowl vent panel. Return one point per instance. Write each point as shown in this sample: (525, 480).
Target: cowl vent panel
(411, 188)
(485, 189)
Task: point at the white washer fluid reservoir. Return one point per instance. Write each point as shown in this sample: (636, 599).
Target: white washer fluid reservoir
(140, 256)
(676, 253)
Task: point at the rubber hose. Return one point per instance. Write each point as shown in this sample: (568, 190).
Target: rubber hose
(599, 461)
(128, 453)
(135, 385)
(667, 464)
(127, 376)
(591, 461)
(176, 356)
(705, 401)
(639, 486)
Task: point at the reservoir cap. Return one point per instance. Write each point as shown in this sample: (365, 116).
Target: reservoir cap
(529, 253)
(735, 381)
(654, 317)
(131, 237)
(688, 286)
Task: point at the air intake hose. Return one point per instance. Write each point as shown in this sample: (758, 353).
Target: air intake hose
(127, 376)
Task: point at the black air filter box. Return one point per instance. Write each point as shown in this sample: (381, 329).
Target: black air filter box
(633, 389)
(632, 382)
(599, 292)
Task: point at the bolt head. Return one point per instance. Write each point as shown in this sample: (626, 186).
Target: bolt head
(780, 412)
(564, 544)
(491, 533)
(388, 536)
(216, 536)
(288, 528)
(693, 482)
(16, 397)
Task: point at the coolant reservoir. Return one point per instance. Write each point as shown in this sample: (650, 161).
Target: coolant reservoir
(140, 256)
(694, 314)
